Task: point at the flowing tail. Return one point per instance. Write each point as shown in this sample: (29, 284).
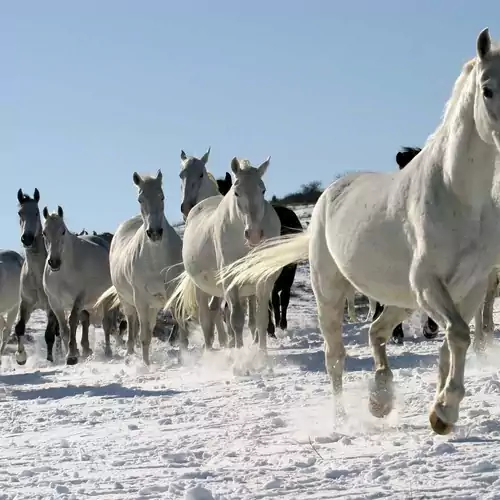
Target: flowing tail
(182, 301)
(109, 299)
(265, 260)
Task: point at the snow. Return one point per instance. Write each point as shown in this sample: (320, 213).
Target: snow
(237, 426)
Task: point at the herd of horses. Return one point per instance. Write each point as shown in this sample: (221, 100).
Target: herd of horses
(426, 236)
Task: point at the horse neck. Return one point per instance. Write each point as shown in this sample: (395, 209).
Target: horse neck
(468, 161)
(207, 189)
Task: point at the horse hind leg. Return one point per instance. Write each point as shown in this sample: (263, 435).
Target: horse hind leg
(351, 307)
(252, 318)
(484, 324)
(5, 336)
(85, 321)
(108, 322)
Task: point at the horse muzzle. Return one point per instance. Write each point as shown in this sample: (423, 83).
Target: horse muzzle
(254, 236)
(27, 239)
(155, 235)
(54, 264)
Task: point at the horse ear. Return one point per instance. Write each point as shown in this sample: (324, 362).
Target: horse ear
(36, 195)
(263, 167)
(204, 158)
(228, 178)
(183, 155)
(20, 196)
(235, 165)
(159, 175)
(399, 159)
(483, 44)
(137, 179)
(45, 212)
(60, 211)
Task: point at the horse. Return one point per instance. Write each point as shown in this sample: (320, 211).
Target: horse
(76, 272)
(280, 297)
(11, 264)
(141, 249)
(31, 292)
(425, 237)
(217, 233)
(197, 184)
(83, 232)
(430, 328)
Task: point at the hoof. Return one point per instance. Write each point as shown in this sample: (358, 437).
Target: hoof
(50, 358)
(272, 335)
(438, 426)
(72, 360)
(108, 352)
(380, 409)
(21, 358)
(87, 353)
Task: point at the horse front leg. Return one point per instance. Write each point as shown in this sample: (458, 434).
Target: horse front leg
(434, 298)
(74, 317)
(108, 324)
(381, 391)
(236, 316)
(146, 325)
(484, 324)
(24, 314)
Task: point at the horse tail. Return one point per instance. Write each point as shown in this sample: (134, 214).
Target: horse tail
(109, 299)
(182, 301)
(265, 260)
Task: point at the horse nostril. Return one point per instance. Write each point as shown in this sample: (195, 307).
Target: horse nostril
(182, 208)
(262, 233)
(247, 233)
(148, 233)
(160, 232)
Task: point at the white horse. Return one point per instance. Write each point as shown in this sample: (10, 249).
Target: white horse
(217, 233)
(76, 272)
(11, 264)
(141, 249)
(197, 184)
(427, 236)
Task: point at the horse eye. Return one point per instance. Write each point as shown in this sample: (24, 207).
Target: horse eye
(64, 232)
(20, 213)
(263, 191)
(37, 213)
(201, 175)
(236, 194)
(487, 93)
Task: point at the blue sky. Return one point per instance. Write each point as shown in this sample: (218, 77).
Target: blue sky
(91, 91)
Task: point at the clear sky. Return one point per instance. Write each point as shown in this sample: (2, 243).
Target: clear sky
(92, 90)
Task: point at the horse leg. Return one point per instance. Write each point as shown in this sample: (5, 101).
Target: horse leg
(276, 302)
(108, 322)
(329, 287)
(205, 317)
(146, 320)
(371, 311)
(74, 317)
(271, 329)
(132, 326)
(351, 307)
(252, 320)
(236, 317)
(483, 334)
(435, 299)
(85, 321)
(24, 314)
(381, 393)
(430, 329)
(226, 314)
(261, 315)
(285, 301)
(5, 336)
(216, 312)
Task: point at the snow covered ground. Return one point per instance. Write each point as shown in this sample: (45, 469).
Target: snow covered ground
(233, 426)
